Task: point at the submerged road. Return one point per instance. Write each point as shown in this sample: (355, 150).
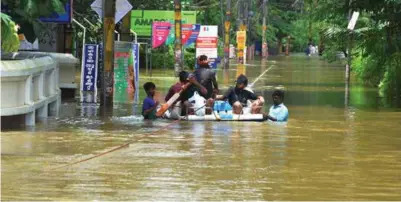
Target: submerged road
(330, 149)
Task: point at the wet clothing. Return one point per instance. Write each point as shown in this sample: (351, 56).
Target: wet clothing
(241, 95)
(148, 103)
(279, 112)
(207, 78)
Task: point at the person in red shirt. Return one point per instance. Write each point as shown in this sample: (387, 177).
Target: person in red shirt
(185, 77)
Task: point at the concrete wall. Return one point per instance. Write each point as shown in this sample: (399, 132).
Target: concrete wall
(30, 87)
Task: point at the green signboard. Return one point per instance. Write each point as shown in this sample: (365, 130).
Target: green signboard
(141, 20)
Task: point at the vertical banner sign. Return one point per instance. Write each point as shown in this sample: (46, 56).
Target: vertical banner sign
(206, 44)
(186, 31)
(135, 53)
(89, 70)
(241, 39)
(171, 36)
(123, 72)
(160, 32)
(194, 35)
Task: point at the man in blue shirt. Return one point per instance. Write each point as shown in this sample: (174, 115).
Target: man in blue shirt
(278, 112)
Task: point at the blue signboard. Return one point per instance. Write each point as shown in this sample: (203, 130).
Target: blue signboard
(89, 68)
(60, 18)
(194, 35)
(135, 53)
(213, 62)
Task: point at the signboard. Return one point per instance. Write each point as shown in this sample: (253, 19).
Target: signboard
(160, 31)
(135, 53)
(241, 39)
(123, 72)
(186, 31)
(89, 70)
(63, 18)
(122, 8)
(206, 44)
(141, 20)
(194, 35)
(352, 22)
(171, 36)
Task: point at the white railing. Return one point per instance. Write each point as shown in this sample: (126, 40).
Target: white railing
(30, 87)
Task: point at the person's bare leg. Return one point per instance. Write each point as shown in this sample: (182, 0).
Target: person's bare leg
(188, 110)
(209, 104)
(237, 108)
(256, 107)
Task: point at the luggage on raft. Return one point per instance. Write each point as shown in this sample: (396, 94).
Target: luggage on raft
(222, 111)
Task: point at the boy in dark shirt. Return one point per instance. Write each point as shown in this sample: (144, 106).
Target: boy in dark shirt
(237, 97)
(149, 104)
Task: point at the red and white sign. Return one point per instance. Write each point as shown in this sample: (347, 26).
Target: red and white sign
(206, 44)
(186, 32)
(160, 31)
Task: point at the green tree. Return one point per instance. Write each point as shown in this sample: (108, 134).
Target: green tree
(25, 13)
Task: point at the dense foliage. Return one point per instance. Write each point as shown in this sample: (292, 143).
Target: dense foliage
(25, 13)
(9, 36)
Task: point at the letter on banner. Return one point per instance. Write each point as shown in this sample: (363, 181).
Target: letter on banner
(89, 70)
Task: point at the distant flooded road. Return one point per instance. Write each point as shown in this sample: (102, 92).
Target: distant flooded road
(329, 149)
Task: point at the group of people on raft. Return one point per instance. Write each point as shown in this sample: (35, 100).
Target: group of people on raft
(203, 82)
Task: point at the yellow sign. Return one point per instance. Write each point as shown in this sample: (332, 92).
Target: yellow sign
(241, 39)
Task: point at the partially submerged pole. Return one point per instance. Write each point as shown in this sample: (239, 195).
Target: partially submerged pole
(227, 26)
(109, 9)
(264, 28)
(178, 66)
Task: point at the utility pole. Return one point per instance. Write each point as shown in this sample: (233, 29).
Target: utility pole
(227, 26)
(178, 66)
(264, 28)
(109, 9)
(125, 28)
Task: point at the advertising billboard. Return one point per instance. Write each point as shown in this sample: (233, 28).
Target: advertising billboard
(141, 20)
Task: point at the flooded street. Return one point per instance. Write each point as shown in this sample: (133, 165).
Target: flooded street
(330, 149)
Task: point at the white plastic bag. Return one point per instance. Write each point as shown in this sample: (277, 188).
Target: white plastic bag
(198, 104)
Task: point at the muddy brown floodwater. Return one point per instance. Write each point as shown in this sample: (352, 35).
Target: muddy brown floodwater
(329, 149)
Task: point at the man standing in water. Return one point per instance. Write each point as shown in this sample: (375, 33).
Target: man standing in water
(278, 112)
(207, 78)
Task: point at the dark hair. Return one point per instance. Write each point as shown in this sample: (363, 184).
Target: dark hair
(242, 80)
(183, 76)
(202, 58)
(149, 85)
(278, 93)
